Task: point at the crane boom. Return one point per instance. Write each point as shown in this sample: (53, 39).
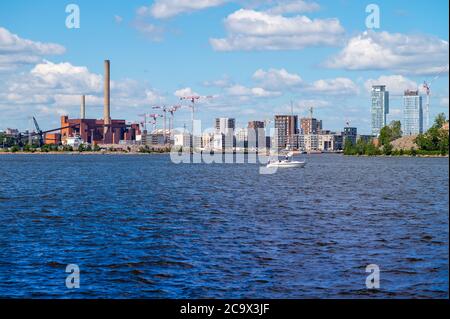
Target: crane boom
(426, 86)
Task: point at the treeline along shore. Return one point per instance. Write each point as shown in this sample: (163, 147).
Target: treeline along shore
(434, 142)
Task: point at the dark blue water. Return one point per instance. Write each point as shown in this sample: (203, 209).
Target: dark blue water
(142, 227)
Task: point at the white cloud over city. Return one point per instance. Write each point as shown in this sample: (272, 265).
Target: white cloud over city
(249, 30)
(16, 51)
(395, 84)
(55, 88)
(402, 53)
(277, 78)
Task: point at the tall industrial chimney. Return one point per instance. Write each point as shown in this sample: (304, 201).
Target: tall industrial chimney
(106, 109)
(83, 107)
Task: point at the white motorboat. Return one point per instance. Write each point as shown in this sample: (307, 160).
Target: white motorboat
(285, 163)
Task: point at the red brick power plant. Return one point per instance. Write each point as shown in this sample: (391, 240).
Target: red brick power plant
(94, 131)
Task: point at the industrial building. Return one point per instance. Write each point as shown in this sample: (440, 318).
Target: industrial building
(99, 131)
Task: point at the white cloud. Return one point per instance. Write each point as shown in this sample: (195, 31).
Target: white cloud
(248, 92)
(405, 54)
(52, 111)
(16, 51)
(297, 6)
(185, 92)
(444, 102)
(66, 77)
(305, 104)
(220, 83)
(256, 30)
(337, 86)
(277, 78)
(273, 83)
(395, 84)
(162, 9)
(54, 88)
(70, 100)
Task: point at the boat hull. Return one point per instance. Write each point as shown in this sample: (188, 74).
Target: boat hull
(286, 164)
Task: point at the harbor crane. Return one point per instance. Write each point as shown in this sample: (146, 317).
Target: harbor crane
(39, 133)
(427, 87)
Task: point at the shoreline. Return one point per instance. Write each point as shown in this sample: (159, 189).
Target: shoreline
(166, 153)
(79, 153)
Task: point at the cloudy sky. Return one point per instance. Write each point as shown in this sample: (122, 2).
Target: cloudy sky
(252, 56)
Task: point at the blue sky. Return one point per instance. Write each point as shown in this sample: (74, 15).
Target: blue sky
(253, 56)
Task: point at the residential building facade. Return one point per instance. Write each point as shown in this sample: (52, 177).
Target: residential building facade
(309, 125)
(379, 108)
(286, 127)
(412, 113)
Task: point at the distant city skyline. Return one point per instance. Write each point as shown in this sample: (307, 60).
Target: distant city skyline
(253, 57)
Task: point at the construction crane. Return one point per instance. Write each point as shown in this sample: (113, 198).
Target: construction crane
(194, 98)
(144, 123)
(311, 112)
(426, 86)
(154, 117)
(164, 109)
(267, 122)
(172, 111)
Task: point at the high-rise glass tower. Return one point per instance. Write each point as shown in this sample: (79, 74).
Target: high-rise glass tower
(380, 108)
(412, 113)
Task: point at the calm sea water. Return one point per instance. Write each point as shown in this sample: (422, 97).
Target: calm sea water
(142, 227)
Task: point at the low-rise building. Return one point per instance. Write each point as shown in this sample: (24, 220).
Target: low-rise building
(350, 134)
(311, 142)
(182, 139)
(52, 138)
(12, 132)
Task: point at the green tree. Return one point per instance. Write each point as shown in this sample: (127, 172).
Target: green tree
(14, 149)
(349, 148)
(387, 149)
(435, 139)
(396, 130)
(390, 132)
(439, 120)
(385, 135)
(371, 149)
